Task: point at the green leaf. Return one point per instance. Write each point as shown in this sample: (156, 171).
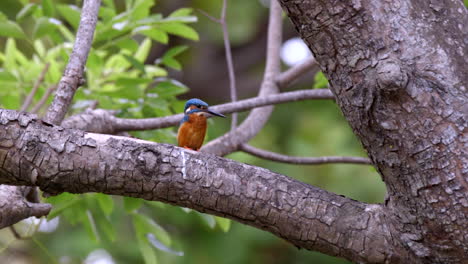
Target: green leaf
(40, 48)
(155, 71)
(48, 8)
(127, 44)
(141, 229)
(9, 62)
(107, 13)
(141, 9)
(66, 33)
(182, 15)
(180, 30)
(62, 202)
(172, 63)
(89, 224)
(157, 244)
(43, 27)
(175, 51)
(147, 251)
(70, 13)
(7, 77)
(11, 29)
(138, 65)
(147, 225)
(94, 62)
(105, 226)
(320, 81)
(143, 50)
(26, 11)
(169, 88)
(223, 223)
(181, 12)
(109, 4)
(129, 82)
(155, 34)
(209, 220)
(168, 58)
(132, 204)
(105, 202)
(155, 18)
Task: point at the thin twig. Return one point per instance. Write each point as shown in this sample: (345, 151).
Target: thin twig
(227, 51)
(255, 121)
(230, 66)
(33, 92)
(302, 160)
(293, 73)
(43, 99)
(124, 124)
(212, 18)
(15, 233)
(73, 74)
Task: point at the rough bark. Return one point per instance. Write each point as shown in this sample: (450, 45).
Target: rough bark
(35, 153)
(398, 71)
(16, 205)
(73, 75)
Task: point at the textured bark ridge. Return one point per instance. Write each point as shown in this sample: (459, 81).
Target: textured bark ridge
(398, 70)
(35, 153)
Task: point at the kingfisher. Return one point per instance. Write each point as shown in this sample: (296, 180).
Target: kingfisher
(192, 127)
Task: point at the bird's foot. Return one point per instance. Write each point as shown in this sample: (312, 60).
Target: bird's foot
(190, 148)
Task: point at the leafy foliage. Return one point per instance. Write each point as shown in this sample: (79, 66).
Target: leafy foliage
(119, 75)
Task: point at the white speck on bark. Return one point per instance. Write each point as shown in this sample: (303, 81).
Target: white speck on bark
(184, 170)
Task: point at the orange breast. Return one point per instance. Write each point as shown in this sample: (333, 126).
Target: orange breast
(192, 133)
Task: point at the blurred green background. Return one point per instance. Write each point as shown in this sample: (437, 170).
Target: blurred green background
(148, 57)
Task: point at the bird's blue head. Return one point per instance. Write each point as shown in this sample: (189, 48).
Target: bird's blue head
(197, 106)
(197, 103)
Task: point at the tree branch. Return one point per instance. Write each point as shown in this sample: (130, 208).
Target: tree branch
(229, 63)
(287, 77)
(43, 99)
(302, 160)
(15, 206)
(35, 153)
(230, 66)
(73, 74)
(103, 121)
(28, 100)
(257, 118)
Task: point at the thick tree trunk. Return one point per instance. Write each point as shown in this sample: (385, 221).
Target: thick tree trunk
(399, 72)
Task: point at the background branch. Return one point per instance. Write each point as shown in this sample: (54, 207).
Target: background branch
(103, 121)
(15, 206)
(286, 78)
(73, 74)
(302, 160)
(40, 79)
(230, 66)
(43, 99)
(257, 118)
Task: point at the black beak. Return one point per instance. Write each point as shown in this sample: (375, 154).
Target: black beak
(214, 113)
